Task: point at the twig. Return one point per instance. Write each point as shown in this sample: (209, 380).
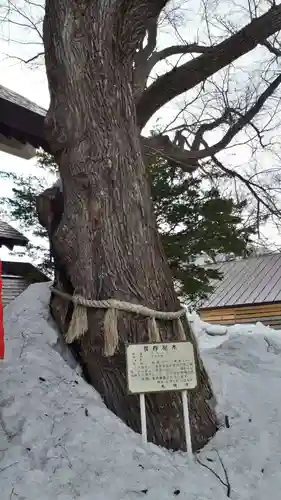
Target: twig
(8, 466)
(226, 475)
(252, 186)
(225, 482)
(271, 48)
(27, 61)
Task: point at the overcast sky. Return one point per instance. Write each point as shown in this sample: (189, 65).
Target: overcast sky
(31, 83)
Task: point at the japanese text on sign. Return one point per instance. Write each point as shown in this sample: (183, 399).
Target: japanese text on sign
(160, 367)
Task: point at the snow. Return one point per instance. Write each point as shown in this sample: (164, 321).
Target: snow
(59, 441)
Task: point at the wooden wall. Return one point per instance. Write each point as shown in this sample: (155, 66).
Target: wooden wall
(268, 314)
(13, 286)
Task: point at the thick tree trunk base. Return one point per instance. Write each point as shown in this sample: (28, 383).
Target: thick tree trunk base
(103, 232)
(108, 374)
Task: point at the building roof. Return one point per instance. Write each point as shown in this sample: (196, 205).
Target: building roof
(10, 237)
(19, 269)
(249, 281)
(21, 119)
(20, 101)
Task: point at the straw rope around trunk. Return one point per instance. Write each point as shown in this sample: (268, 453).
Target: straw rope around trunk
(79, 321)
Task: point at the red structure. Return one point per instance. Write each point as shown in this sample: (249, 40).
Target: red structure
(2, 343)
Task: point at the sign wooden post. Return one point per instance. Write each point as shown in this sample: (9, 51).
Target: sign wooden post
(186, 423)
(143, 419)
(162, 367)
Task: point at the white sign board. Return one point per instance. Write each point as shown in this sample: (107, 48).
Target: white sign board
(160, 367)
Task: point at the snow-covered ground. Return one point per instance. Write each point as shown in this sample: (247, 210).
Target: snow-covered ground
(59, 442)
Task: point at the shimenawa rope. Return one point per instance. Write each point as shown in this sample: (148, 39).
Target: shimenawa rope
(79, 321)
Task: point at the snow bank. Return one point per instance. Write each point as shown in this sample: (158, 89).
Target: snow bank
(204, 331)
(58, 441)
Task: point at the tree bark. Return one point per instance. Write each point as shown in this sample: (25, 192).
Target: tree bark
(104, 234)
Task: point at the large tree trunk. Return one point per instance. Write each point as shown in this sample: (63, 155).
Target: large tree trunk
(104, 234)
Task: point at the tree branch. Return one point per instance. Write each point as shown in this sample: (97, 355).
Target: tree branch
(225, 482)
(188, 75)
(272, 49)
(142, 66)
(147, 58)
(192, 48)
(27, 61)
(197, 154)
(161, 145)
(242, 121)
(188, 159)
(146, 52)
(256, 129)
(207, 127)
(32, 24)
(133, 19)
(253, 187)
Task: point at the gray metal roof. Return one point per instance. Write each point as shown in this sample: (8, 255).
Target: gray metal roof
(9, 236)
(21, 101)
(254, 280)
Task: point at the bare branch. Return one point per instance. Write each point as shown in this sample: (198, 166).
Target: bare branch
(161, 145)
(256, 129)
(272, 49)
(142, 66)
(35, 4)
(253, 187)
(146, 59)
(225, 482)
(192, 48)
(151, 40)
(27, 61)
(234, 129)
(207, 127)
(31, 24)
(188, 159)
(188, 75)
(133, 20)
(169, 126)
(228, 489)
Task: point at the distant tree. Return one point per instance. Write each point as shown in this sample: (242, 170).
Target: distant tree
(191, 220)
(195, 222)
(21, 208)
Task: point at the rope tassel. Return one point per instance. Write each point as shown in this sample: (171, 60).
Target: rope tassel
(78, 324)
(110, 326)
(181, 332)
(79, 321)
(153, 331)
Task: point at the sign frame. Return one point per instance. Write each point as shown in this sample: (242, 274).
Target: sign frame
(174, 389)
(184, 395)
